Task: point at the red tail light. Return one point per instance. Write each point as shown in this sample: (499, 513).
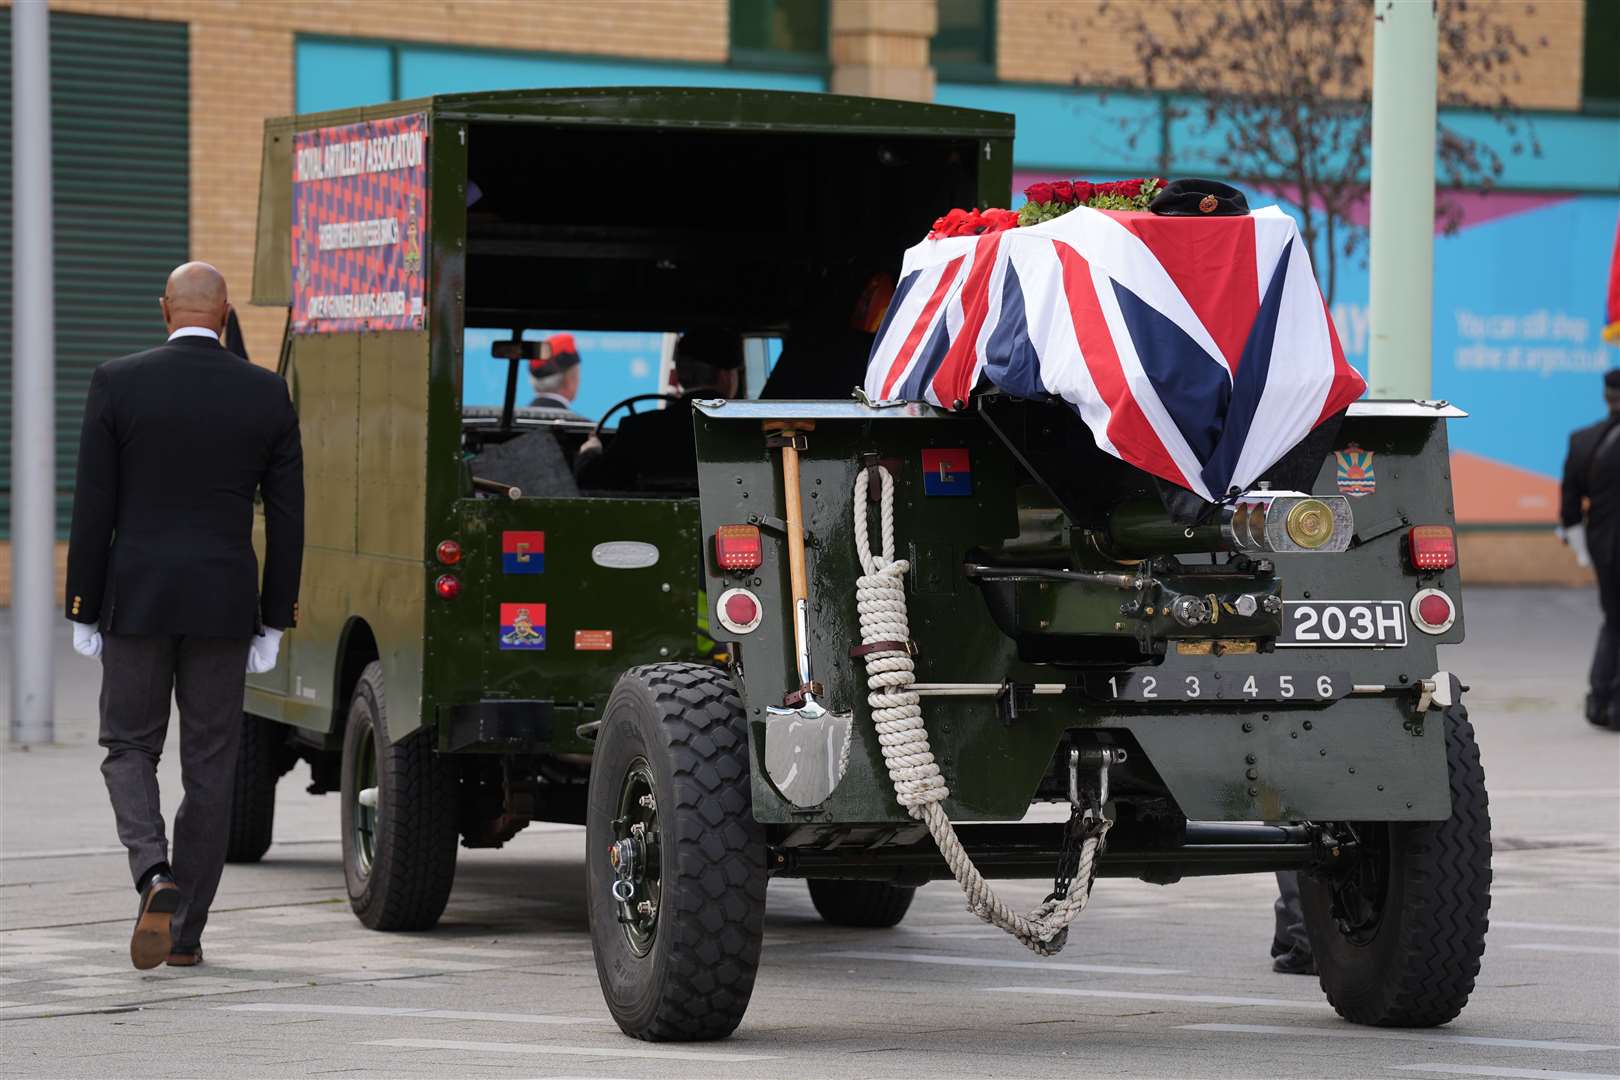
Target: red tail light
(1432, 547)
(448, 552)
(738, 547)
(448, 586)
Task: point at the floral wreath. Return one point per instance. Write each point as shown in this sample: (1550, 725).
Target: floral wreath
(1049, 200)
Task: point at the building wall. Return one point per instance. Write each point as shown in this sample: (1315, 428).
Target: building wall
(1086, 42)
(243, 71)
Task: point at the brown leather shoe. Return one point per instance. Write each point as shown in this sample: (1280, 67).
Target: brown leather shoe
(185, 957)
(151, 941)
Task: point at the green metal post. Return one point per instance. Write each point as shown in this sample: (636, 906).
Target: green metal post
(1402, 241)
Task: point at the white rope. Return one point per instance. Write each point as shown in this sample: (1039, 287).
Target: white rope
(880, 598)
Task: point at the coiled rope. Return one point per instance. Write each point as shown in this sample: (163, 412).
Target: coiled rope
(880, 598)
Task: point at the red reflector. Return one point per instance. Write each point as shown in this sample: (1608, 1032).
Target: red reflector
(448, 586)
(738, 547)
(1434, 609)
(449, 552)
(741, 608)
(1433, 547)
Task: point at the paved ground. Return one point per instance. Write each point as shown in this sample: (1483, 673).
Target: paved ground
(1158, 981)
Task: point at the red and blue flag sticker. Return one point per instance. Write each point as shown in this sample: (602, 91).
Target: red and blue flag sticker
(523, 552)
(947, 472)
(523, 627)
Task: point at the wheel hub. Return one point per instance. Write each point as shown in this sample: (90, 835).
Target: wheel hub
(1360, 891)
(634, 858)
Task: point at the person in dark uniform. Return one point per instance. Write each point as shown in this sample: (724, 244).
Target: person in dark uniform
(556, 378)
(163, 585)
(1589, 521)
(657, 450)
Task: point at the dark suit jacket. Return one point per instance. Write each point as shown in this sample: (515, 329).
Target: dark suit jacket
(176, 441)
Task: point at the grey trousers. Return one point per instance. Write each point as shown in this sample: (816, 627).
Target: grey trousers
(206, 676)
(1290, 935)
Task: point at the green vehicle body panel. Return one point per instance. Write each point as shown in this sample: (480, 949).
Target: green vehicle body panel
(382, 428)
(1360, 758)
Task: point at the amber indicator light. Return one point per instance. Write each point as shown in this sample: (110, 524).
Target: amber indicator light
(738, 547)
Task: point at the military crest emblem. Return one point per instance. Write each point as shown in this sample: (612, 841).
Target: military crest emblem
(1355, 471)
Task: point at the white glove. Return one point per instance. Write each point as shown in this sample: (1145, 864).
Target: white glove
(262, 653)
(1575, 537)
(86, 639)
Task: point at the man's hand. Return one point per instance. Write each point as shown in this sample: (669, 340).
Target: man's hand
(262, 653)
(592, 445)
(86, 640)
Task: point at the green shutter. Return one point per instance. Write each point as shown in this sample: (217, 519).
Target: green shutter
(120, 103)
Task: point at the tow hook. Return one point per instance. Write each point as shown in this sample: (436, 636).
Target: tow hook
(1089, 805)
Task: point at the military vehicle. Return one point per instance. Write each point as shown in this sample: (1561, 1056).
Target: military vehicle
(1260, 692)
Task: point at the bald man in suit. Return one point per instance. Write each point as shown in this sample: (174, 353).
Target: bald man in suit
(163, 585)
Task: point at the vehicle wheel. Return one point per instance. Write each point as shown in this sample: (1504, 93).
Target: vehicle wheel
(861, 903)
(675, 862)
(253, 794)
(399, 817)
(1398, 940)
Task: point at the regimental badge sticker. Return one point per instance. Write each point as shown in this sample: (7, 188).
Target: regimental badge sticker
(1355, 471)
(947, 472)
(523, 626)
(523, 552)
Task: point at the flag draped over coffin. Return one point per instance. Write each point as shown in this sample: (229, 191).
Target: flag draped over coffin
(1197, 349)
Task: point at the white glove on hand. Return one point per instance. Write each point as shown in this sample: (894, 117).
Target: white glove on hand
(1575, 537)
(262, 653)
(86, 640)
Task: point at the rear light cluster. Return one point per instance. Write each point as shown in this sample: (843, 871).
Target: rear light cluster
(1432, 611)
(738, 547)
(1432, 547)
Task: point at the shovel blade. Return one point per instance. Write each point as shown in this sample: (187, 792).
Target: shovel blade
(806, 756)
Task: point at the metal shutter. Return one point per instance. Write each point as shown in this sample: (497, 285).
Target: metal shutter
(120, 103)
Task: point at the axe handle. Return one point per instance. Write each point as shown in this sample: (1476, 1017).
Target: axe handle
(798, 579)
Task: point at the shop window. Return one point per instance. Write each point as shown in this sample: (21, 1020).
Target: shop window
(779, 33)
(964, 48)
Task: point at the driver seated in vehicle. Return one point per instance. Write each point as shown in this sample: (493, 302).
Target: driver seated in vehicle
(656, 450)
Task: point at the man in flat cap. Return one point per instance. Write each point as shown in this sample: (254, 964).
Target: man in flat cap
(163, 585)
(1589, 521)
(556, 378)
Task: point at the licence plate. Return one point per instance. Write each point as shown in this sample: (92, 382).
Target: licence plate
(1223, 685)
(1365, 624)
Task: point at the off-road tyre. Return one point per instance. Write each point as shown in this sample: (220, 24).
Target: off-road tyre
(870, 904)
(253, 791)
(1417, 966)
(684, 725)
(404, 881)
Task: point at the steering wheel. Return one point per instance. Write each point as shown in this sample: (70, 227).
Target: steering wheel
(629, 403)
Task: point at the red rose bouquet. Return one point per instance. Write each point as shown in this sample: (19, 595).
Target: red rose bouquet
(1048, 200)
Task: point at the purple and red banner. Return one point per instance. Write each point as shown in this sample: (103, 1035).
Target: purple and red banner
(359, 226)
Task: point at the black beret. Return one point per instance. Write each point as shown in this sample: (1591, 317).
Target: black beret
(1196, 198)
(1611, 379)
